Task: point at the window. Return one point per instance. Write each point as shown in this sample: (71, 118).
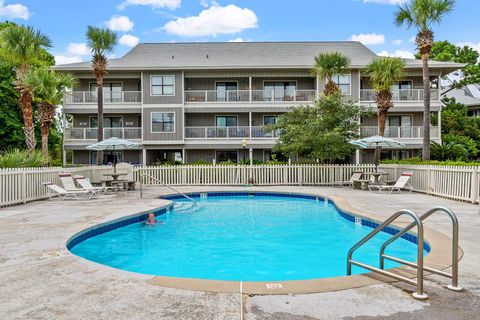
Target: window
(343, 82)
(112, 92)
(403, 85)
(224, 156)
(108, 157)
(399, 121)
(108, 122)
(268, 120)
(279, 90)
(163, 85)
(163, 122)
(226, 121)
(226, 91)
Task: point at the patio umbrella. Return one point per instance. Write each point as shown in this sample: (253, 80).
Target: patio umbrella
(377, 141)
(113, 144)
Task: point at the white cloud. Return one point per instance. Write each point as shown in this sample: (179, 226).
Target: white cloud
(120, 23)
(213, 21)
(397, 42)
(14, 11)
(78, 49)
(170, 4)
(129, 40)
(473, 45)
(394, 2)
(237, 40)
(368, 38)
(61, 59)
(397, 53)
(412, 39)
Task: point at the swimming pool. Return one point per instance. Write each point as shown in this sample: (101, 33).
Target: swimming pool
(243, 237)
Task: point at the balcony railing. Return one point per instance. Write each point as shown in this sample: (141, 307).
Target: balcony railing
(90, 97)
(92, 133)
(400, 132)
(368, 95)
(229, 133)
(239, 96)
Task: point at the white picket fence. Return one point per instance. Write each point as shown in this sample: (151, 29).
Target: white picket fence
(21, 185)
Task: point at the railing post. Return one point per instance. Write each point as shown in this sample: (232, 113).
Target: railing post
(24, 187)
(83, 96)
(295, 95)
(474, 186)
(206, 96)
(206, 132)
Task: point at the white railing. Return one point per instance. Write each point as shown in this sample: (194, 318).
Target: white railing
(90, 97)
(414, 132)
(92, 133)
(20, 185)
(368, 95)
(233, 96)
(229, 133)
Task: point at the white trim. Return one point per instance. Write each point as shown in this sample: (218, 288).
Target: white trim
(162, 95)
(174, 122)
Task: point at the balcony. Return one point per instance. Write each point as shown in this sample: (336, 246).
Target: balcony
(248, 96)
(92, 133)
(400, 132)
(402, 95)
(90, 97)
(229, 133)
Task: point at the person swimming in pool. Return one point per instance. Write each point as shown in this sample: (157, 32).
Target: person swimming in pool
(151, 219)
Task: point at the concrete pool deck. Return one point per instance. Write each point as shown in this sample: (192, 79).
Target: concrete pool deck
(40, 279)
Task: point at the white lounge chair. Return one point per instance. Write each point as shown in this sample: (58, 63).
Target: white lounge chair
(356, 175)
(85, 184)
(67, 182)
(53, 189)
(402, 183)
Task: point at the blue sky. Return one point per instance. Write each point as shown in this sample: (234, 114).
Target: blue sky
(369, 21)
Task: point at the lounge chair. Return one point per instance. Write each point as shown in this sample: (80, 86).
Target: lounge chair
(356, 175)
(86, 185)
(67, 182)
(54, 189)
(402, 183)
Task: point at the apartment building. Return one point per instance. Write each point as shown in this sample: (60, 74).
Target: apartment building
(210, 101)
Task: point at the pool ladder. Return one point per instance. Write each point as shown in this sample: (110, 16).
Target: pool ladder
(165, 185)
(418, 222)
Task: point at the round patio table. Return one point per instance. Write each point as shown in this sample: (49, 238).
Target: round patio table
(114, 175)
(376, 176)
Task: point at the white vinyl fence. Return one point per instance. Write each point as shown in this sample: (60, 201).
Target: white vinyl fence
(21, 185)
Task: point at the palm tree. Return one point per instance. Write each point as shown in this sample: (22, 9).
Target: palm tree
(384, 73)
(328, 65)
(49, 88)
(449, 151)
(21, 46)
(100, 41)
(422, 14)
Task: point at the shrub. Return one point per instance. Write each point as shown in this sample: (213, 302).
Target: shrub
(22, 158)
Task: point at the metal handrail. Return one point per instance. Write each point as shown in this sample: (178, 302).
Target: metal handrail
(419, 294)
(165, 185)
(454, 275)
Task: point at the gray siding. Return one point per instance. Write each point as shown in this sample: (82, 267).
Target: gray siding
(417, 82)
(175, 99)
(210, 83)
(208, 119)
(127, 84)
(303, 83)
(148, 135)
(81, 157)
(200, 155)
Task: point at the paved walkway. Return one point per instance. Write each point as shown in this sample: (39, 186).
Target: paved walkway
(40, 279)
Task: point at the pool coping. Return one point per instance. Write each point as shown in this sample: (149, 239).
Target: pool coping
(438, 257)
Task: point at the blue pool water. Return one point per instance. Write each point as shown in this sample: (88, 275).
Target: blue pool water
(249, 238)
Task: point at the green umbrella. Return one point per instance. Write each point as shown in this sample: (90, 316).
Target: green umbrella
(113, 144)
(377, 141)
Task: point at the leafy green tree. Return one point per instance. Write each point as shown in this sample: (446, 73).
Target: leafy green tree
(328, 65)
(49, 88)
(320, 132)
(100, 41)
(448, 151)
(466, 142)
(422, 14)
(446, 51)
(21, 46)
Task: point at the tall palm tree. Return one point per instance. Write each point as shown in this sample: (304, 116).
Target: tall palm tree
(21, 46)
(49, 89)
(422, 14)
(328, 65)
(384, 73)
(101, 42)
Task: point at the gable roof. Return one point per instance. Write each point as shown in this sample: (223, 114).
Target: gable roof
(238, 55)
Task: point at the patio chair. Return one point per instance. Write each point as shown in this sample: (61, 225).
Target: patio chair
(85, 184)
(53, 189)
(402, 183)
(67, 182)
(356, 175)
(127, 179)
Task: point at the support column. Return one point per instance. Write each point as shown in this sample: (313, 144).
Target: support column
(250, 155)
(184, 156)
(250, 125)
(64, 153)
(250, 89)
(318, 88)
(440, 124)
(357, 156)
(144, 157)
